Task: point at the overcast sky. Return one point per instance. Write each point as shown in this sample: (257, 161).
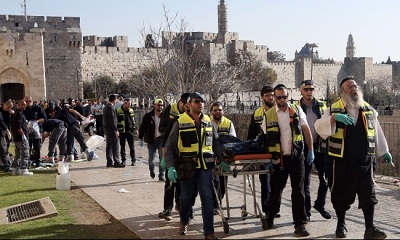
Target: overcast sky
(281, 25)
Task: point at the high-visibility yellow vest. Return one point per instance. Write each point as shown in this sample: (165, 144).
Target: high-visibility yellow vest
(322, 143)
(225, 126)
(174, 112)
(259, 115)
(336, 141)
(189, 141)
(121, 119)
(274, 141)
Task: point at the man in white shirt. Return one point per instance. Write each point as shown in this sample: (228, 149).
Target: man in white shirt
(285, 125)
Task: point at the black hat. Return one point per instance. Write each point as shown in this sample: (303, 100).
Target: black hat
(127, 100)
(195, 95)
(346, 79)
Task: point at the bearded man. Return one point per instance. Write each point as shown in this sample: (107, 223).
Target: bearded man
(355, 137)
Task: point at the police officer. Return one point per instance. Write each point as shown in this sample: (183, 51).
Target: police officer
(285, 124)
(314, 109)
(34, 112)
(127, 129)
(67, 114)
(56, 130)
(355, 137)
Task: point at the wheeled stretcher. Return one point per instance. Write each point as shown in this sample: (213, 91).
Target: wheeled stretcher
(246, 165)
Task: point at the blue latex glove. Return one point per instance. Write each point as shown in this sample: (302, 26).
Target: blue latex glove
(172, 174)
(344, 118)
(310, 157)
(225, 166)
(140, 143)
(163, 164)
(24, 138)
(387, 157)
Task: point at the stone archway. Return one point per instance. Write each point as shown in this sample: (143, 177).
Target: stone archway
(14, 84)
(15, 91)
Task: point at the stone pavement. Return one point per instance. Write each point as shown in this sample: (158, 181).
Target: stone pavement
(139, 207)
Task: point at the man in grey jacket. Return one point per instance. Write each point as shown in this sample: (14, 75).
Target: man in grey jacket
(111, 133)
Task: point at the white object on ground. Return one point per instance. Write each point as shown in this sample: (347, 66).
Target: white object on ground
(123, 190)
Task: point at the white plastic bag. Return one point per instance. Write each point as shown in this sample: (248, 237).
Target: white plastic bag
(33, 130)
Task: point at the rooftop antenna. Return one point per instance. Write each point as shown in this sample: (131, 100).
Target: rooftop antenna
(23, 6)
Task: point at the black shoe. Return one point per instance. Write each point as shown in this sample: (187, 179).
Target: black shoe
(166, 214)
(277, 215)
(133, 163)
(123, 162)
(152, 175)
(119, 165)
(76, 157)
(270, 224)
(341, 230)
(301, 231)
(162, 179)
(323, 213)
(8, 169)
(374, 233)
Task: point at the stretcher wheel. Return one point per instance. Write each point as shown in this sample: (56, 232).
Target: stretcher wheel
(235, 172)
(264, 223)
(226, 227)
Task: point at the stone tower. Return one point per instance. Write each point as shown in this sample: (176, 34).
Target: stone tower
(351, 48)
(222, 22)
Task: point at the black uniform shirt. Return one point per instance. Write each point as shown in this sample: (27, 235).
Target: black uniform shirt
(50, 124)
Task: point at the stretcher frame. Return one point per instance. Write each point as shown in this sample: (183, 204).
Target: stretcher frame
(245, 165)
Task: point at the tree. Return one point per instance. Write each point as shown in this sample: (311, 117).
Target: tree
(276, 56)
(103, 86)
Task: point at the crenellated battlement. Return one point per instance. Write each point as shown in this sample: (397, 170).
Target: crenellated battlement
(19, 22)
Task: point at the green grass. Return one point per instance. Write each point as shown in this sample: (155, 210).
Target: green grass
(20, 189)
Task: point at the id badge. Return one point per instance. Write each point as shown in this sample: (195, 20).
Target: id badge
(209, 140)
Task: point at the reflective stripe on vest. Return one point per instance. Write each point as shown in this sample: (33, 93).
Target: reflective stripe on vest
(274, 145)
(188, 140)
(121, 119)
(224, 127)
(336, 141)
(259, 115)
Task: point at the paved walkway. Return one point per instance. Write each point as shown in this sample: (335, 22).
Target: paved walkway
(138, 208)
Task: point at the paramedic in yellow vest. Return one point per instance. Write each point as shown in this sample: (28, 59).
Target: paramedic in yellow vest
(314, 109)
(354, 137)
(223, 126)
(193, 144)
(285, 125)
(171, 191)
(268, 100)
(126, 126)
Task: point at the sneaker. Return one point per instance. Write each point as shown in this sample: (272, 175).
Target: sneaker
(26, 172)
(166, 214)
(182, 229)
(341, 230)
(76, 157)
(301, 231)
(323, 213)
(49, 160)
(16, 171)
(89, 155)
(152, 175)
(374, 233)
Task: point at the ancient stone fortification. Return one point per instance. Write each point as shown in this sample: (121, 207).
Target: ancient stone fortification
(48, 57)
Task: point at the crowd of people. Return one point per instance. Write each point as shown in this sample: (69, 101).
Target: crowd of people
(342, 141)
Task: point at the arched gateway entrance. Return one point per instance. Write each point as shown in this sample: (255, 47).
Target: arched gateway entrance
(15, 91)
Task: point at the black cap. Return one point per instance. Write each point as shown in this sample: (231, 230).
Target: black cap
(127, 100)
(195, 95)
(346, 79)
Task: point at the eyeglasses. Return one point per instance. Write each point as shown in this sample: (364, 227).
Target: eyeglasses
(281, 97)
(197, 101)
(308, 89)
(217, 110)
